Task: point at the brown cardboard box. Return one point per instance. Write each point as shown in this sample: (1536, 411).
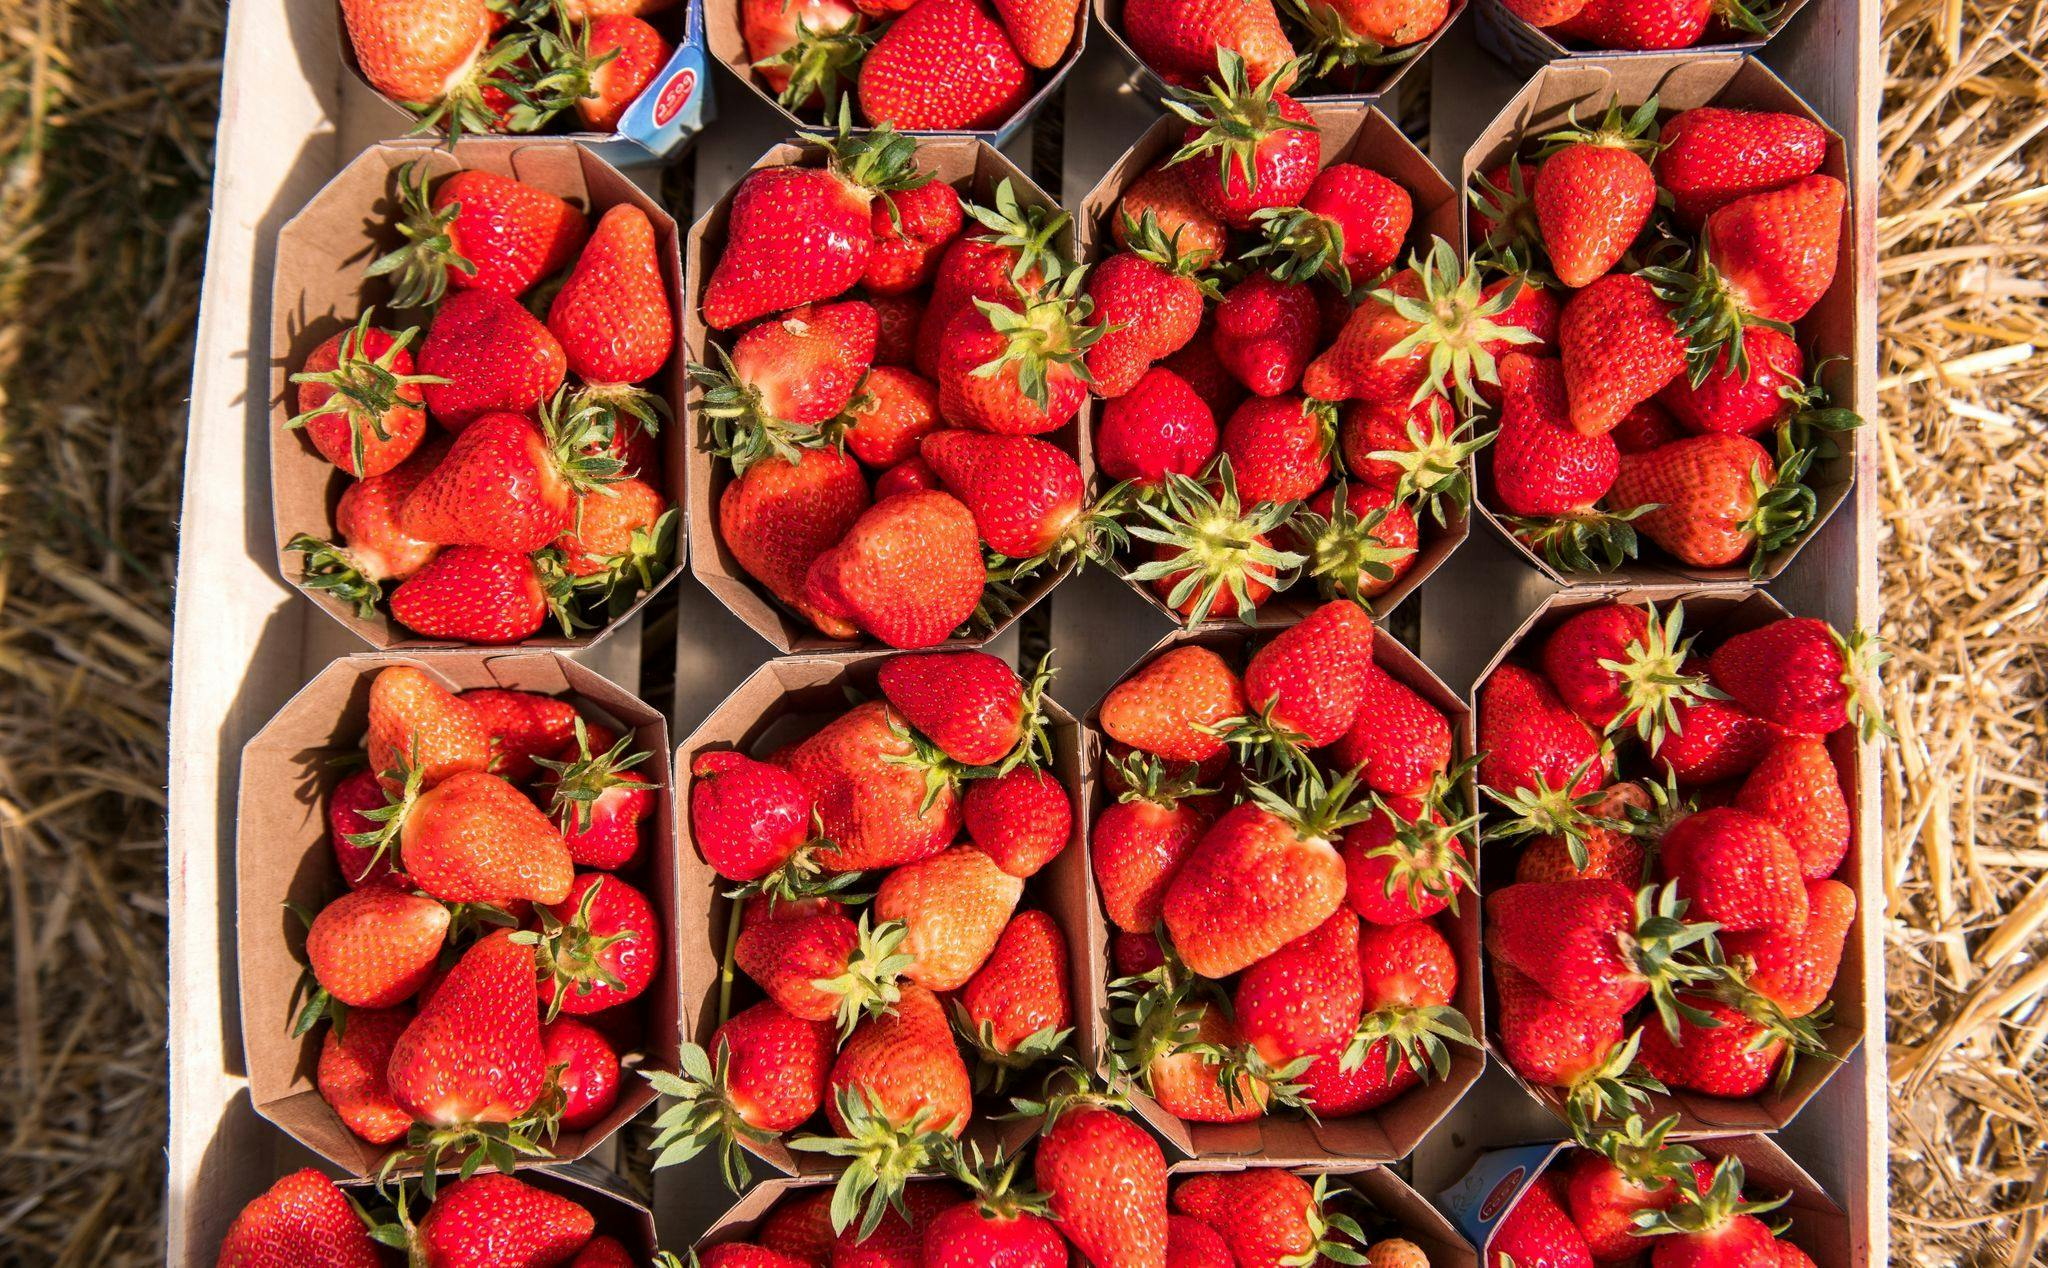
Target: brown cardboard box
(1490, 1190)
(722, 36)
(319, 289)
(1351, 133)
(1680, 82)
(1527, 47)
(1715, 615)
(1374, 82)
(1383, 1135)
(783, 701)
(972, 167)
(618, 1211)
(282, 855)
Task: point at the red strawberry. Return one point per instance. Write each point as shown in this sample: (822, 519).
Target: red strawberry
(1411, 977)
(361, 866)
(800, 1226)
(895, 410)
(912, 475)
(1640, 24)
(970, 704)
(1595, 192)
(1266, 333)
(870, 776)
(1016, 1009)
(1537, 1230)
(911, 229)
(599, 947)
(821, 966)
(896, 1242)
(359, 400)
(1360, 541)
(1005, 253)
(1399, 742)
(620, 535)
(785, 377)
(1502, 210)
(764, 1073)
(1621, 345)
(1171, 704)
(1711, 741)
(417, 51)
(1022, 819)
(1716, 498)
(603, 1252)
(903, 1070)
(1581, 847)
(1181, 39)
(350, 1075)
(1713, 155)
(1308, 680)
(1543, 469)
(997, 1228)
(492, 1219)
(1796, 971)
(1280, 447)
(1745, 401)
(374, 548)
(303, 1220)
(1797, 789)
(1335, 1091)
(494, 355)
(1429, 329)
(1037, 343)
(1193, 1244)
(1199, 1070)
(415, 722)
(1248, 146)
(1584, 1052)
(1626, 1171)
(1212, 553)
(1404, 863)
(1383, 441)
(1025, 493)
(473, 1054)
(521, 726)
(613, 314)
(1105, 1180)
(1160, 427)
(1136, 954)
(909, 571)
(780, 514)
(1775, 251)
(1534, 307)
(1623, 667)
(1802, 676)
(478, 231)
(1736, 870)
(599, 802)
(954, 906)
(1304, 998)
(1355, 34)
(472, 594)
(1182, 220)
(1348, 229)
(585, 1068)
(373, 948)
(804, 51)
(475, 838)
(1203, 370)
(1150, 304)
(1270, 1217)
(507, 484)
(1139, 841)
(1728, 1053)
(1529, 740)
(1648, 425)
(1594, 945)
(1716, 1228)
(945, 65)
(606, 67)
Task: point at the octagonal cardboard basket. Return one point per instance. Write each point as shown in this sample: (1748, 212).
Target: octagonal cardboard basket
(1526, 47)
(972, 167)
(318, 289)
(1827, 334)
(1350, 133)
(1714, 615)
(779, 704)
(1287, 1138)
(282, 855)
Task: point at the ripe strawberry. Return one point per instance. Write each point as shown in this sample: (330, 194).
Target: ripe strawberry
(995, 1227)
(599, 947)
(1150, 302)
(1266, 332)
(1589, 848)
(1724, 1052)
(912, 475)
(507, 484)
(1715, 499)
(1203, 371)
(1713, 155)
(1360, 541)
(1775, 251)
(785, 378)
(1182, 40)
(1038, 343)
(1537, 1230)
(1193, 1061)
(1398, 742)
(1736, 870)
(1248, 146)
(415, 722)
(603, 1252)
(1431, 327)
(1264, 874)
(1584, 1052)
(1404, 863)
(473, 1054)
(374, 549)
(1105, 1180)
(1304, 998)
(800, 1226)
(804, 51)
(1529, 739)
(1139, 842)
(1171, 704)
(1745, 400)
(1542, 466)
(1021, 819)
(1348, 229)
(1355, 34)
(1649, 425)
(350, 1075)
(495, 1218)
(521, 725)
(1534, 306)
(620, 535)
(302, 1220)
(1716, 1228)
(359, 401)
(1621, 345)
(1016, 1009)
(1623, 667)
(945, 65)
(799, 234)
(780, 514)
(616, 57)
(1802, 676)
(1384, 440)
(1161, 196)
(598, 801)
(954, 905)
(585, 1068)
(1625, 1171)
(417, 51)
(1796, 971)
(372, 948)
(1595, 192)
(970, 704)
(912, 228)
(1025, 493)
(1797, 789)
(895, 410)
(896, 1241)
(1135, 954)
(1270, 1217)
(1641, 24)
(902, 1070)
(1160, 427)
(493, 355)
(821, 966)
(613, 314)
(872, 778)
(1280, 447)
(1008, 250)
(1212, 553)
(764, 1073)
(1193, 1244)
(1501, 214)
(475, 838)
(1411, 976)
(472, 594)
(478, 230)
(1594, 945)
(1306, 684)
(361, 866)
(1712, 741)
(909, 571)
(747, 817)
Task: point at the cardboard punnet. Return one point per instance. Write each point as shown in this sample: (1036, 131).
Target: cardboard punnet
(618, 1212)
(726, 44)
(972, 167)
(1715, 615)
(676, 105)
(786, 700)
(319, 289)
(1497, 1179)
(282, 855)
(1373, 81)
(1526, 47)
(1827, 334)
(1350, 133)
(1285, 1138)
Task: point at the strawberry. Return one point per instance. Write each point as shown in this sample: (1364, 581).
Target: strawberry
(419, 52)
(1172, 704)
(895, 410)
(598, 801)
(780, 514)
(508, 484)
(994, 1227)
(1304, 998)
(1016, 1010)
(784, 378)
(1584, 1052)
(1200, 366)
(1041, 30)
(603, 1252)
(1138, 843)
(374, 548)
(1017, 366)
(1162, 197)
(1641, 24)
(1265, 333)
(1720, 1049)
(1356, 34)
(1264, 874)
(1305, 685)
(1193, 1244)
(1280, 447)
(1360, 541)
(1411, 976)
(1529, 739)
(491, 1219)
(1743, 400)
(1595, 192)
(1404, 863)
(945, 65)
(1716, 498)
(359, 401)
(1193, 1062)
(912, 475)
(1537, 1230)
(1649, 425)
(620, 535)
(805, 51)
(885, 796)
(417, 724)
(1598, 845)
(798, 234)
(911, 228)
(1736, 870)
(800, 1226)
(954, 906)
(1548, 475)
(1135, 954)
(1711, 741)
(472, 594)
(373, 948)
(971, 705)
(1025, 493)
(898, 1241)
(1628, 1170)
(1211, 557)
(1715, 1227)
(1270, 1217)
(475, 838)
(1105, 1180)
(1796, 971)
(1621, 667)
(1502, 211)
(585, 1068)
(821, 966)
(493, 356)
(765, 1073)
(1248, 146)
(1797, 789)
(1383, 441)
(1009, 250)
(477, 230)
(1711, 155)
(303, 1220)
(1429, 327)
(521, 726)
(1398, 742)
(1775, 250)
(599, 947)
(1150, 302)
(1183, 40)
(473, 1054)
(909, 571)
(1348, 229)
(612, 314)
(1595, 946)
(1160, 427)
(616, 56)
(1621, 344)
(1802, 676)
(350, 1075)
(1533, 307)
(360, 866)
(1021, 819)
